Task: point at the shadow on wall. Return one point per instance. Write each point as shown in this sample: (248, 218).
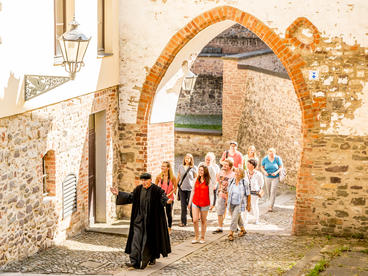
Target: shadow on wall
(12, 93)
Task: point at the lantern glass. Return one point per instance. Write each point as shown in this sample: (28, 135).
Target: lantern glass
(73, 46)
(189, 82)
(73, 50)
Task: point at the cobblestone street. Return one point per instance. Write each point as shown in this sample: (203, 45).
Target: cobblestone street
(267, 249)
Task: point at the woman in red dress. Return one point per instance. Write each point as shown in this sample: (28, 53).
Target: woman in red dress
(201, 199)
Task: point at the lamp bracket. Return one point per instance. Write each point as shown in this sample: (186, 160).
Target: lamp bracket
(35, 85)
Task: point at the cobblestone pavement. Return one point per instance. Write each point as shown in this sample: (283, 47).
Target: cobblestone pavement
(88, 253)
(267, 249)
(253, 254)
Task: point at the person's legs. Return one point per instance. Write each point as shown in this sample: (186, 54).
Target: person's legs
(169, 214)
(196, 214)
(214, 196)
(187, 197)
(135, 255)
(274, 184)
(234, 217)
(268, 186)
(184, 207)
(255, 207)
(242, 231)
(220, 209)
(203, 223)
(146, 256)
(240, 220)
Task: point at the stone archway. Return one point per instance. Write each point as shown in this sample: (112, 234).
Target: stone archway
(150, 137)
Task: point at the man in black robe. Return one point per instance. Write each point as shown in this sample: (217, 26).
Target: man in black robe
(148, 234)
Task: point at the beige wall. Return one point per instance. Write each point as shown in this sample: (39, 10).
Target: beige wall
(160, 20)
(28, 49)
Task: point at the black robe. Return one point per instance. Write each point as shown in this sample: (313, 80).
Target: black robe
(157, 238)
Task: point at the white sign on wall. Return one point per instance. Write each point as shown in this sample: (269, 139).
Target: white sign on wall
(313, 75)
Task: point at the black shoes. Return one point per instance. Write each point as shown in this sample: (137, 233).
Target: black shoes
(130, 265)
(153, 262)
(218, 230)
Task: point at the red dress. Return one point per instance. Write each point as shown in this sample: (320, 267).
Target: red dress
(201, 196)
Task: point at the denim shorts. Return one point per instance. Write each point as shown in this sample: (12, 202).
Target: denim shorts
(204, 208)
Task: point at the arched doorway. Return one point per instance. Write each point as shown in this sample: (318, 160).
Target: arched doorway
(157, 139)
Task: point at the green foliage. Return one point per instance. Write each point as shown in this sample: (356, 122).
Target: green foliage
(338, 251)
(215, 127)
(365, 251)
(319, 267)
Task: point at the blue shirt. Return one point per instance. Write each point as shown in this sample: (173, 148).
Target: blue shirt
(237, 193)
(271, 167)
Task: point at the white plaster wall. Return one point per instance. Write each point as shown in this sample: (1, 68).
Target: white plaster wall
(27, 32)
(147, 26)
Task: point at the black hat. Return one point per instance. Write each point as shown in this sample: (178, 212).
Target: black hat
(145, 176)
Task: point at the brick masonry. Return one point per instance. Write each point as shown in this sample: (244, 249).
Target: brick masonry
(327, 108)
(29, 219)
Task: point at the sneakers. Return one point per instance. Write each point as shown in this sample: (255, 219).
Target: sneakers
(202, 241)
(195, 241)
(218, 230)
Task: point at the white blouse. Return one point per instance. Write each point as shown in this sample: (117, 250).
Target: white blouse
(256, 180)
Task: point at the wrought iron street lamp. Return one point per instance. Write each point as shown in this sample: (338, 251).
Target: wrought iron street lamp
(73, 46)
(189, 78)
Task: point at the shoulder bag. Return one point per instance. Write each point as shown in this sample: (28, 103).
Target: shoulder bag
(181, 181)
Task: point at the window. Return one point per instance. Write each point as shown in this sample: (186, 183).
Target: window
(59, 23)
(101, 26)
(104, 27)
(48, 173)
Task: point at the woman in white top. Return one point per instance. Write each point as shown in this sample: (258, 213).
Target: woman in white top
(256, 183)
(213, 169)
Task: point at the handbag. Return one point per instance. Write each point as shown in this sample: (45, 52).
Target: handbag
(181, 181)
(283, 174)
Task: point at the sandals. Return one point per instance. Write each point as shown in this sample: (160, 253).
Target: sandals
(242, 233)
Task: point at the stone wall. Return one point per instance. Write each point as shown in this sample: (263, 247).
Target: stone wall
(206, 97)
(211, 66)
(237, 39)
(271, 117)
(29, 219)
(267, 61)
(198, 144)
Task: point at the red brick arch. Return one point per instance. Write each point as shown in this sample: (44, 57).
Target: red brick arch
(292, 62)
